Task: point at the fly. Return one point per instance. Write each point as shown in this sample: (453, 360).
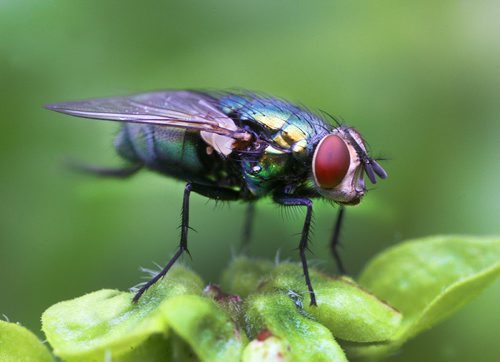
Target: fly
(237, 146)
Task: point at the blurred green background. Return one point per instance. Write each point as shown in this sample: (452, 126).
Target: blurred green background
(420, 80)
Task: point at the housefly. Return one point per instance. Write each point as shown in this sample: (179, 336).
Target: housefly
(237, 146)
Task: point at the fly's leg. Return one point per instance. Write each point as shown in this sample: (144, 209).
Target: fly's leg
(247, 226)
(294, 201)
(118, 172)
(182, 244)
(208, 191)
(335, 242)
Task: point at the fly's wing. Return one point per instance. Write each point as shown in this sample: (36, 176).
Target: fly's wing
(181, 109)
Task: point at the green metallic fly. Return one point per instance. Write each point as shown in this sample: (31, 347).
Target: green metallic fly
(237, 146)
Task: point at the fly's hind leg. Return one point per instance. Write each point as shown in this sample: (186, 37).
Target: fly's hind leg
(211, 192)
(335, 242)
(116, 172)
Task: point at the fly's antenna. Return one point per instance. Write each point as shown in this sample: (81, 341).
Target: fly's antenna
(370, 165)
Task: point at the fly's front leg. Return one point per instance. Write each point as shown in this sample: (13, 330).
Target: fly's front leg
(208, 191)
(335, 242)
(295, 201)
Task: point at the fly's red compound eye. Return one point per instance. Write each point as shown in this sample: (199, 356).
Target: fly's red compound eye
(331, 161)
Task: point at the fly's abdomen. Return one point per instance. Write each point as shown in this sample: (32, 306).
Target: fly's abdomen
(123, 146)
(172, 151)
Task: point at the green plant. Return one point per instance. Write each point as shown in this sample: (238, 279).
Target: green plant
(261, 311)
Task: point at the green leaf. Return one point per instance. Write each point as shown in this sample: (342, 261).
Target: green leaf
(428, 280)
(176, 319)
(205, 327)
(107, 323)
(350, 312)
(19, 344)
(243, 275)
(305, 339)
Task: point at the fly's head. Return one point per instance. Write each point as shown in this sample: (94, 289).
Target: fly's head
(339, 163)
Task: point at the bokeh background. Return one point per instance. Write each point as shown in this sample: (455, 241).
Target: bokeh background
(420, 80)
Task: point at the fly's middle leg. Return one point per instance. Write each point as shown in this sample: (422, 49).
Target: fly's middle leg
(182, 244)
(211, 192)
(247, 227)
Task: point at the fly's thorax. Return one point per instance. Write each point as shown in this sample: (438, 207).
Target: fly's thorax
(264, 173)
(337, 169)
(287, 127)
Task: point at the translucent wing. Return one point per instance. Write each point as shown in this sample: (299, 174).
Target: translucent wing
(181, 109)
